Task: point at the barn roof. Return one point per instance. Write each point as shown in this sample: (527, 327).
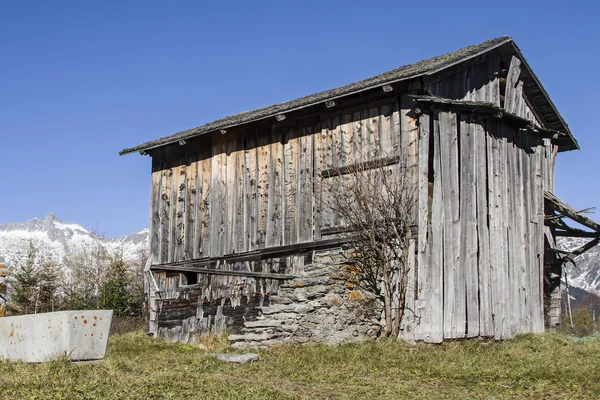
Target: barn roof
(429, 66)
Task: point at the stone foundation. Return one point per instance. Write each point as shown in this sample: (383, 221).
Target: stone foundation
(315, 307)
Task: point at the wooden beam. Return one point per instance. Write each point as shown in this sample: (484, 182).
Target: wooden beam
(578, 233)
(382, 162)
(572, 255)
(210, 271)
(566, 210)
(486, 109)
(269, 252)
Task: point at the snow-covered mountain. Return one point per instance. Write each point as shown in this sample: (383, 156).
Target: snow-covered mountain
(586, 272)
(53, 239)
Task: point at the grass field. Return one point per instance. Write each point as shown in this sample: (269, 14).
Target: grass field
(548, 366)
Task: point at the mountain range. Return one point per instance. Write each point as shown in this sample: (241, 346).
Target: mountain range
(56, 239)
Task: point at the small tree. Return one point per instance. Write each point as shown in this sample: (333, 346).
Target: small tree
(24, 285)
(116, 291)
(375, 202)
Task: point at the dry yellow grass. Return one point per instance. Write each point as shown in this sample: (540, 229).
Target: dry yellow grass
(548, 366)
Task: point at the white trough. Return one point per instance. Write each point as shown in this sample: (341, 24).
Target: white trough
(79, 335)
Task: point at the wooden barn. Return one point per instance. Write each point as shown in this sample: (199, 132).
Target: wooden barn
(240, 239)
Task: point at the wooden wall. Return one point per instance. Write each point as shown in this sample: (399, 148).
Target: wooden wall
(257, 188)
(480, 243)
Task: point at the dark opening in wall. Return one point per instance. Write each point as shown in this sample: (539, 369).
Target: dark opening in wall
(189, 278)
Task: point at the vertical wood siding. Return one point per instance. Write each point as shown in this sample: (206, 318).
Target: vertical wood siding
(481, 250)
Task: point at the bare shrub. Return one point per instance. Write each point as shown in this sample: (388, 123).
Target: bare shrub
(374, 202)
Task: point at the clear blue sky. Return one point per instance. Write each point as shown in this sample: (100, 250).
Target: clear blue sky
(81, 80)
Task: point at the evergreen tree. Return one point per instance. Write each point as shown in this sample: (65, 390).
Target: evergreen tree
(25, 285)
(115, 292)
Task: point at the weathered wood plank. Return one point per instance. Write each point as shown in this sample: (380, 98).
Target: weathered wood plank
(454, 289)
(424, 290)
(291, 184)
(373, 141)
(318, 180)
(239, 227)
(191, 207)
(155, 204)
(468, 228)
(230, 190)
(219, 195)
(165, 213)
(512, 80)
(486, 316)
(357, 137)
(205, 222)
(436, 271)
(346, 138)
(251, 192)
(264, 170)
(276, 195)
(495, 216)
(306, 224)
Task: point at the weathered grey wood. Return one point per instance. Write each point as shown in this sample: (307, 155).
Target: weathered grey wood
(385, 129)
(436, 277)
(357, 137)
(238, 229)
(306, 222)
(205, 207)
(514, 307)
(165, 213)
(486, 317)
(218, 195)
(291, 184)
(276, 195)
(454, 289)
(508, 324)
(423, 289)
(468, 228)
(495, 217)
(396, 130)
(318, 180)
(230, 190)
(512, 81)
(373, 138)
(191, 207)
(251, 194)
(346, 140)
(155, 218)
(264, 170)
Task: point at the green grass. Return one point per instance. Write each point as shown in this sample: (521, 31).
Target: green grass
(548, 366)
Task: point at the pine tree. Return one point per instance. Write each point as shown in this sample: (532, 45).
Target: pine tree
(115, 290)
(25, 285)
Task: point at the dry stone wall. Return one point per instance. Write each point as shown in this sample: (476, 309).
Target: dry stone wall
(313, 308)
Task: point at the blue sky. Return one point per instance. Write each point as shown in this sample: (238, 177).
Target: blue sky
(81, 80)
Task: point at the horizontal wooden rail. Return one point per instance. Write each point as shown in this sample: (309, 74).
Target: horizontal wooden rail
(208, 265)
(210, 271)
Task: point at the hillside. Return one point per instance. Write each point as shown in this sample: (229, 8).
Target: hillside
(54, 239)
